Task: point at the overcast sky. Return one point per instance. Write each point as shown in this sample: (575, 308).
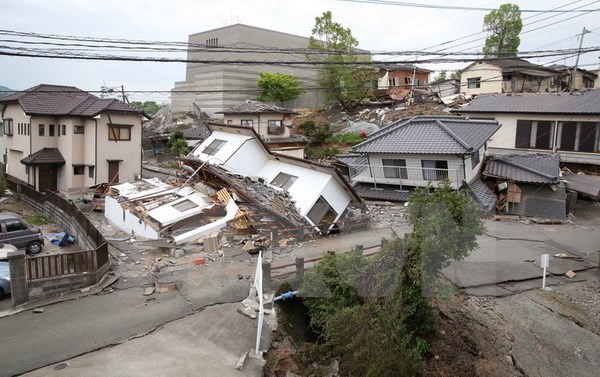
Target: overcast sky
(377, 27)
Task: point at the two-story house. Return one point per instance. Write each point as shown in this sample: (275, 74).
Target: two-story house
(60, 137)
(397, 80)
(272, 123)
(508, 76)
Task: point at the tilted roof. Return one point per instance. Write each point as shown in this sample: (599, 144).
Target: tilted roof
(530, 168)
(510, 65)
(56, 100)
(45, 156)
(430, 135)
(251, 106)
(582, 102)
(404, 67)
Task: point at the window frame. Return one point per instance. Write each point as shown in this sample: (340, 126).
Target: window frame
(78, 169)
(247, 122)
(91, 171)
(271, 125)
(64, 129)
(475, 159)
(7, 122)
(284, 180)
(394, 168)
(51, 130)
(474, 83)
(78, 128)
(112, 136)
(41, 130)
(212, 149)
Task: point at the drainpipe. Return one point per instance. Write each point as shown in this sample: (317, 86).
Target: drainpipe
(464, 166)
(95, 152)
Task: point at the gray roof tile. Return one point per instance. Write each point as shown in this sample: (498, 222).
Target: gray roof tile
(482, 193)
(45, 156)
(530, 168)
(584, 102)
(430, 135)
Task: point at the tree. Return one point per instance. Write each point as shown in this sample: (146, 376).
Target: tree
(278, 87)
(455, 75)
(179, 147)
(149, 107)
(441, 76)
(335, 46)
(505, 25)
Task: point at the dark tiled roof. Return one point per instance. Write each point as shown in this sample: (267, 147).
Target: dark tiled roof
(583, 184)
(382, 192)
(45, 156)
(530, 168)
(482, 194)
(46, 99)
(514, 65)
(430, 135)
(404, 67)
(250, 106)
(584, 102)
(352, 159)
(198, 132)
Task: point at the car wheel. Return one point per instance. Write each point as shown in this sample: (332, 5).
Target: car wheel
(1, 293)
(34, 247)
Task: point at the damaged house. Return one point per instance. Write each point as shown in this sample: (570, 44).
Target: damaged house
(292, 191)
(153, 209)
(415, 152)
(527, 185)
(272, 123)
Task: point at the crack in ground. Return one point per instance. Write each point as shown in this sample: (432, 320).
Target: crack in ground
(565, 316)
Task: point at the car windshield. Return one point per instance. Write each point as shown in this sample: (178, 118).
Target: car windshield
(4, 269)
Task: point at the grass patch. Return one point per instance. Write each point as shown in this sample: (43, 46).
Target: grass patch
(38, 219)
(351, 138)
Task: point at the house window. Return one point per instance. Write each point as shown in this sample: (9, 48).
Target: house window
(214, 147)
(246, 122)
(185, 205)
(417, 82)
(434, 170)
(507, 77)
(393, 168)
(396, 81)
(275, 127)
(50, 130)
(41, 129)
(475, 159)
(534, 134)
(283, 180)
(64, 129)
(78, 169)
(321, 212)
(91, 171)
(78, 129)
(28, 129)
(119, 132)
(212, 42)
(474, 83)
(7, 125)
(26, 169)
(229, 121)
(407, 80)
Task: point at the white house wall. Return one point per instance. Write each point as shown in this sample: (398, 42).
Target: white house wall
(413, 167)
(491, 79)
(260, 123)
(337, 198)
(127, 221)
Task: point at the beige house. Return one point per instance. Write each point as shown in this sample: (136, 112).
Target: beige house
(272, 123)
(508, 76)
(60, 137)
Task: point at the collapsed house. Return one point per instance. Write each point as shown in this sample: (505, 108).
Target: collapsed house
(526, 185)
(154, 209)
(281, 190)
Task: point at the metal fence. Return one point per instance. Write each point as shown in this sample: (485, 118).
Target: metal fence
(402, 175)
(79, 262)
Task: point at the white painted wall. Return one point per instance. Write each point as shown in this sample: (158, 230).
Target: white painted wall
(491, 79)
(127, 221)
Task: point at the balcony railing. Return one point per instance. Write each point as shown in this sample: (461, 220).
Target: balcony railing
(403, 176)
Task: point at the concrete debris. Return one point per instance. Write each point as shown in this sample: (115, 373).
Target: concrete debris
(570, 274)
(240, 363)
(166, 284)
(148, 291)
(248, 312)
(39, 310)
(211, 243)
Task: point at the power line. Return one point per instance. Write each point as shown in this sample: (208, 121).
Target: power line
(454, 7)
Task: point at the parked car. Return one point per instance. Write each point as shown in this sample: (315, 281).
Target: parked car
(4, 279)
(16, 231)
(6, 248)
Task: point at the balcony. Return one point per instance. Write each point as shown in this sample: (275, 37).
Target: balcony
(404, 176)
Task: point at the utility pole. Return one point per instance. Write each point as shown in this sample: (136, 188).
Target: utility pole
(574, 73)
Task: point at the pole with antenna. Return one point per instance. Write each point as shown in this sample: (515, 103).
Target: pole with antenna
(574, 73)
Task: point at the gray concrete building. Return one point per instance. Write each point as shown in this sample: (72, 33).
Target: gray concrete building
(214, 87)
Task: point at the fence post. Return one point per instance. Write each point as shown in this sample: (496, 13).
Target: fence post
(18, 277)
(274, 237)
(266, 270)
(299, 268)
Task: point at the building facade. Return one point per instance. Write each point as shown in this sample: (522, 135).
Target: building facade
(214, 87)
(60, 137)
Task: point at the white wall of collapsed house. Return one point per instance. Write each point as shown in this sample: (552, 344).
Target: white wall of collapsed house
(161, 201)
(245, 155)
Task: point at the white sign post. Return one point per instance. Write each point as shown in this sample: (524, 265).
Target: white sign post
(544, 264)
